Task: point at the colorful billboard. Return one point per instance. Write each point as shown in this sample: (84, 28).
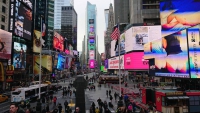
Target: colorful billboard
(113, 63)
(91, 35)
(106, 63)
(91, 54)
(194, 51)
(5, 44)
(122, 45)
(91, 41)
(136, 37)
(37, 44)
(61, 62)
(177, 15)
(58, 42)
(135, 61)
(113, 48)
(19, 55)
(46, 64)
(175, 63)
(92, 64)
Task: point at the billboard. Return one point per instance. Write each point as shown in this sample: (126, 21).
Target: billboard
(92, 64)
(19, 55)
(136, 37)
(113, 63)
(152, 67)
(91, 35)
(135, 61)
(22, 21)
(91, 28)
(194, 51)
(91, 47)
(61, 62)
(37, 44)
(102, 57)
(122, 45)
(91, 41)
(46, 64)
(91, 53)
(91, 21)
(113, 48)
(175, 63)
(5, 44)
(106, 63)
(177, 15)
(58, 42)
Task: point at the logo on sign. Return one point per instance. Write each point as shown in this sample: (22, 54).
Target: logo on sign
(152, 67)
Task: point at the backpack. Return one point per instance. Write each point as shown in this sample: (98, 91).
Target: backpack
(130, 108)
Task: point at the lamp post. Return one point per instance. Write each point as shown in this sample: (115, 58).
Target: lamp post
(40, 75)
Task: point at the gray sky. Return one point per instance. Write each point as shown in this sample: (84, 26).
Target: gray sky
(80, 7)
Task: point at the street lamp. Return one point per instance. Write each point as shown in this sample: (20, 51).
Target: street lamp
(40, 59)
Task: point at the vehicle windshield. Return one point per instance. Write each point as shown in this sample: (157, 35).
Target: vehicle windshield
(16, 93)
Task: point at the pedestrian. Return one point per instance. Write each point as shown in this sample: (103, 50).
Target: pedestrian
(66, 104)
(77, 110)
(54, 100)
(99, 102)
(115, 96)
(111, 98)
(107, 93)
(44, 110)
(55, 110)
(47, 108)
(43, 101)
(93, 106)
(97, 110)
(107, 110)
(59, 108)
(14, 108)
(51, 97)
(38, 106)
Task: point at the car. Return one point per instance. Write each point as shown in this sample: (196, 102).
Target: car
(47, 82)
(3, 98)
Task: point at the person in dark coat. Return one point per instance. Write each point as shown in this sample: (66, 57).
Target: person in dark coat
(59, 108)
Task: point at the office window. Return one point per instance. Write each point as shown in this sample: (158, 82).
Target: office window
(3, 18)
(3, 27)
(3, 9)
(4, 1)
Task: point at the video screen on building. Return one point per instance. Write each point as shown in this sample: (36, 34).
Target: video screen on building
(61, 62)
(175, 63)
(23, 21)
(58, 41)
(5, 44)
(177, 15)
(91, 41)
(19, 55)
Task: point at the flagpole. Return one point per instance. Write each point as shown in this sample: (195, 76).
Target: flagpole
(119, 61)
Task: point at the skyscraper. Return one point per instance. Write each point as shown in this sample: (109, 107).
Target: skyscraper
(122, 11)
(106, 13)
(69, 25)
(4, 12)
(90, 34)
(57, 11)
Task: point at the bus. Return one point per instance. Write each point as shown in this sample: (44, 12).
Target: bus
(28, 93)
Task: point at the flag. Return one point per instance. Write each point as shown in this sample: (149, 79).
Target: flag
(115, 34)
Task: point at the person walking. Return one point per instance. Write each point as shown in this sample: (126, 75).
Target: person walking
(54, 100)
(107, 93)
(59, 108)
(66, 105)
(115, 96)
(97, 110)
(111, 98)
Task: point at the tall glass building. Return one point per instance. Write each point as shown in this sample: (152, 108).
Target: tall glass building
(91, 28)
(57, 11)
(106, 13)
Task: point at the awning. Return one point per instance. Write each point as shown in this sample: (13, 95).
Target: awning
(178, 97)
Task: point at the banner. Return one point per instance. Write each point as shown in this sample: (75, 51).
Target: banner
(1, 72)
(5, 44)
(113, 63)
(46, 64)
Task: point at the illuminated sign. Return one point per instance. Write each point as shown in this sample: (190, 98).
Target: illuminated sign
(174, 93)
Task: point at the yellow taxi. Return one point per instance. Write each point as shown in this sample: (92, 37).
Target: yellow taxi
(3, 98)
(47, 82)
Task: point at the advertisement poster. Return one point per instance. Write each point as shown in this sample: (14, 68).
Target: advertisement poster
(113, 48)
(46, 64)
(152, 67)
(194, 51)
(61, 62)
(135, 61)
(58, 42)
(91, 35)
(91, 41)
(106, 64)
(1, 72)
(23, 21)
(122, 45)
(177, 15)
(5, 44)
(175, 63)
(92, 64)
(91, 47)
(91, 21)
(92, 55)
(19, 55)
(37, 42)
(154, 49)
(91, 28)
(113, 63)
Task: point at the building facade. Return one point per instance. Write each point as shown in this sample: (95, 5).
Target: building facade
(106, 13)
(91, 40)
(144, 11)
(4, 13)
(121, 11)
(69, 25)
(57, 11)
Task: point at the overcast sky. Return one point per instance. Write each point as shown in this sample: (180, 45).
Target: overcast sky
(80, 7)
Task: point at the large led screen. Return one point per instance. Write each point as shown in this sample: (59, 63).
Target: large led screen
(177, 15)
(175, 63)
(46, 64)
(61, 62)
(5, 44)
(122, 45)
(91, 41)
(194, 51)
(92, 64)
(135, 60)
(23, 21)
(91, 29)
(19, 55)
(91, 34)
(92, 55)
(113, 48)
(137, 37)
(106, 64)
(58, 42)
(37, 41)
(113, 63)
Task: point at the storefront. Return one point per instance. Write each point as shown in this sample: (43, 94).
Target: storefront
(194, 101)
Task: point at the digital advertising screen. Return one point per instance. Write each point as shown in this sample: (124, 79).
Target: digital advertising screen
(92, 64)
(91, 21)
(91, 35)
(91, 41)
(122, 45)
(23, 21)
(113, 48)
(46, 64)
(91, 29)
(58, 42)
(91, 47)
(61, 62)
(194, 51)
(5, 44)
(66, 63)
(19, 55)
(135, 60)
(175, 63)
(113, 63)
(177, 15)
(106, 63)
(152, 71)
(92, 54)
(137, 37)
(37, 41)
